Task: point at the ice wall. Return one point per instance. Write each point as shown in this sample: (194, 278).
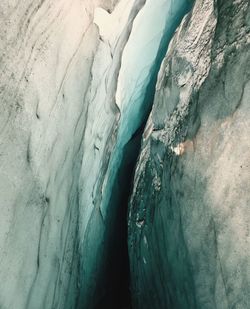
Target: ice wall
(189, 214)
(47, 50)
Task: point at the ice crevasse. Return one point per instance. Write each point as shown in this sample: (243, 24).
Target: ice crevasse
(132, 75)
(107, 105)
(77, 81)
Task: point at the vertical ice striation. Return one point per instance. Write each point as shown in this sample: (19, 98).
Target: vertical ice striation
(47, 51)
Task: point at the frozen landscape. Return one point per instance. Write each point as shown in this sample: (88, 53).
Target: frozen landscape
(124, 154)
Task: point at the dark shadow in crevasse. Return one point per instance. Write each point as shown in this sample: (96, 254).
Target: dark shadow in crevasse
(117, 292)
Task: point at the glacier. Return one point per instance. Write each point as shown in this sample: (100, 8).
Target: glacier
(63, 129)
(116, 106)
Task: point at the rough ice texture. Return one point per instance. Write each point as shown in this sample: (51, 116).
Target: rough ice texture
(189, 216)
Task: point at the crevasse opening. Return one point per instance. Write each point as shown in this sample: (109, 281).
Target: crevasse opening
(151, 33)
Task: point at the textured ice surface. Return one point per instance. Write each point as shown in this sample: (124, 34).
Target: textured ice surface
(189, 214)
(77, 80)
(47, 50)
